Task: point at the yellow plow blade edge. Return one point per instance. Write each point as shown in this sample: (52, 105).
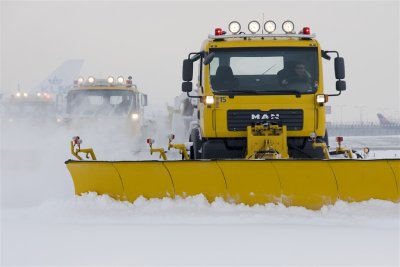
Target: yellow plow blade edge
(307, 183)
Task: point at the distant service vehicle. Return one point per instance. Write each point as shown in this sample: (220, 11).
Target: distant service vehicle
(104, 102)
(29, 108)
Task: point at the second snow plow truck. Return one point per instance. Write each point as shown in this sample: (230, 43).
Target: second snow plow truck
(261, 135)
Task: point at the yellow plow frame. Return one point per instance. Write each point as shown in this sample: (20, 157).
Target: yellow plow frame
(307, 183)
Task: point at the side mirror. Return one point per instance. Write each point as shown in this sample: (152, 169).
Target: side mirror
(187, 70)
(339, 68)
(209, 58)
(144, 100)
(187, 87)
(325, 55)
(340, 86)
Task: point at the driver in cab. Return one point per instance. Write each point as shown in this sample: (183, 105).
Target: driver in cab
(298, 73)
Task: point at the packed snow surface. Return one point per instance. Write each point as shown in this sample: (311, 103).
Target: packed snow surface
(44, 224)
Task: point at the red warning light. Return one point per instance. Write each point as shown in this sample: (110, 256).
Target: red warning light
(306, 30)
(339, 139)
(219, 31)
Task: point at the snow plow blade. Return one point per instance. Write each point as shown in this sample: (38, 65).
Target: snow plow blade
(307, 183)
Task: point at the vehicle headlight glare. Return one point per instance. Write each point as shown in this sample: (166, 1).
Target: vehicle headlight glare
(288, 26)
(254, 26)
(135, 116)
(18, 94)
(209, 100)
(270, 26)
(25, 94)
(322, 99)
(234, 27)
(91, 79)
(80, 80)
(120, 79)
(110, 79)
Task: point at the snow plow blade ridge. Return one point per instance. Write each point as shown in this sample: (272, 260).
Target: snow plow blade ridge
(307, 183)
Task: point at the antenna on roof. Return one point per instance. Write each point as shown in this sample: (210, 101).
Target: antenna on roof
(262, 25)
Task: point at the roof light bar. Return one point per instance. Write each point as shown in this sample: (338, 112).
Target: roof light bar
(288, 26)
(254, 26)
(91, 79)
(110, 79)
(269, 26)
(234, 27)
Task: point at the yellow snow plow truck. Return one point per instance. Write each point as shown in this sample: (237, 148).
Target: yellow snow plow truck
(103, 102)
(260, 135)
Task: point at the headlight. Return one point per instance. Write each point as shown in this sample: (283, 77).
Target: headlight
(135, 116)
(38, 94)
(234, 27)
(209, 100)
(269, 26)
(110, 79)
(91, 79)
(288, 26)
(120, 79)
(59, 120)
(322, 99)
(80, 80)
(18, 94)
(25, 94)
(254, 26)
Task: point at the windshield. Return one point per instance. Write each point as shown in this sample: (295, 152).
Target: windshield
(282, 70)
(100, 102)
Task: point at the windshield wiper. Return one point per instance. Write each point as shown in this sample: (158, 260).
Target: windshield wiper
(268, 69)
(253, 92)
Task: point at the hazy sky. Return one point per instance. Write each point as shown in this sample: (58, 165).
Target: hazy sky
(149, 39)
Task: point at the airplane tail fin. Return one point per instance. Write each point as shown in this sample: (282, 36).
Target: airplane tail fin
(61, 78)
(382, 119)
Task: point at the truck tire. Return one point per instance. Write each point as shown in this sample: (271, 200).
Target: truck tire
(197, 143)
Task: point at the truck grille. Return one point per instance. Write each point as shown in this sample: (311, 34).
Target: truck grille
(238, 120)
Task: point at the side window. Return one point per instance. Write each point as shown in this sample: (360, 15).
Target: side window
(214, 66)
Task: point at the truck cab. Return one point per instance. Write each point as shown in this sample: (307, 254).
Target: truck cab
(259, 78)
(105, 101)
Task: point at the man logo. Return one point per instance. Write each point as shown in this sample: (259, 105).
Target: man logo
(265, 116)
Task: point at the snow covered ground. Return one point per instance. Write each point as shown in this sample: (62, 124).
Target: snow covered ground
(44, 224)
